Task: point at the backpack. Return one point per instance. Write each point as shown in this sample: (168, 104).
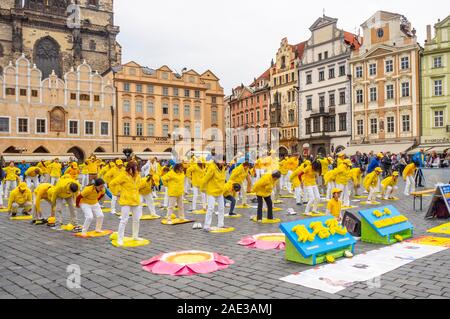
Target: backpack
(440, 210)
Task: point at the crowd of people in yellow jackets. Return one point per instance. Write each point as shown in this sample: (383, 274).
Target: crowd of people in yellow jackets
(133, 184)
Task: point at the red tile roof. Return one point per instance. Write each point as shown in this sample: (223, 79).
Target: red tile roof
(352, 40)
(299, 48)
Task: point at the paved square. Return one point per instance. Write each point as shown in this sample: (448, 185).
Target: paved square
(34, 261)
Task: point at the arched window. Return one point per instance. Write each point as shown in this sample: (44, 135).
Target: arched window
(47, 56)
(92, 45)
(41, 150)
(99, 150)
(77, 152)
(11, 150)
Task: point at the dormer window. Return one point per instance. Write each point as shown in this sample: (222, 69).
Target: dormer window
(283, 62)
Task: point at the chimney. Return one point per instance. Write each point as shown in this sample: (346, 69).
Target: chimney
(428, 33)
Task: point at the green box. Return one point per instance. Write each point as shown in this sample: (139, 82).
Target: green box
(370, 235)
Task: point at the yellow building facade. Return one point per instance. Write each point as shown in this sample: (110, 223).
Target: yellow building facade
(159, 110)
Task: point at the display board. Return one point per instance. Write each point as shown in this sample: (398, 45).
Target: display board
(442, 194)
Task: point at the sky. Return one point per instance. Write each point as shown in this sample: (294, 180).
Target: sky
(237, 39)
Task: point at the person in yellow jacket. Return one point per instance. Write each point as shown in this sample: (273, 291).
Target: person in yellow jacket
(44, 166)
(356, 177)
(145, 190)
(325, 163)
(55, 171)
(213, 184)
(340, 158)
(41, 193)
(73, 171)
(297, 184)
(259, 167)
(93, 165)
(292, 164)
(174, 181)
(371, 184)
(284, 172)
(20, 197)
(241, 175)
(408, 175)
(230, 191)
(311, 188)
(65, 192)
(88, 201)
(126, 187)
(32, 176)
(343, 178)
(116, 169)
(263, 189)
(389, 186)
(12, 177)
(84, 175)
(195, 173)
(334, 206)
(330, 180)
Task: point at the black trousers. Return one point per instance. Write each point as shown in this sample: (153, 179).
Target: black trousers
(269, 204)
(233, 203)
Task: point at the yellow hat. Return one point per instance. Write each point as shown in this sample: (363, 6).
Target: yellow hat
(379, 170)
(341, 154)
(23, 186)
(396, 174)
(119, 162)
(380, 155)
(336, 190)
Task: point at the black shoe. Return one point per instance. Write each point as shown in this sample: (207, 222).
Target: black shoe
(33, 222)
(26, 213)
(77, 229)
(232, 214)
(13, 214)
(299, 204)
(40, 222)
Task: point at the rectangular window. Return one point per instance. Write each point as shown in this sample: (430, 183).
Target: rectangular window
(390, 92)
(85, 97)
(332, 124)
(23, 92)
(22, 126)
(139, 88)
(373, 126)
(438, 88)
(175, 92)
(197, 94)
(214, 100)
(41, 126)
(342, 99)
(326, 124)
(359, 72)
(322, 103)
(372, 69)
(265, 115)
(176, 110)
(343, 122)
(321, 75)
(73, 96)
(187, 111)
(187, 93)
(342, 70)
(165, 131)
(198, 114)
(214, 117)
(389, 66)
(437, 62)
(359, 96)
(326, 55)
(138, 106)
(34, 93)
(331, 73)
(332, 99)
(308, 126)
(96, 98)
(126, 129)
(406, 123)
(390, 124)
(287, 78)
(405, 89)
(320, 56)
(126, 106)
(139, 129)
(165, 91)
(165, 109)
(373, 94)
(405, 63)
(439, 118)
(150, 89)
(316, 124)
(150, 129)
(104, 128)
(308, 78)
(150, 108)
(88, 128)
(10, 91)
(309, 103)
(73, 127)
(126, 87)
(360, 127)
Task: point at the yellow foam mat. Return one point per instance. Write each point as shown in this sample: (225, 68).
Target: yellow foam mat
(221, 230)
(150, 217)
(21, 218)
(431, 241)
(349, 207)
(274, 209)
(443, 229)
(4, 210)
(360, 197)
(107, 201)
(120, 214)
(158, 198)
(68, 227)
(251, 194)
(94, 234)
(370, 203)
(393, 199)
(314, 214)
(278, 202)
(234, 217)
(176, 221)
(199, 212)
(243, 206)
(106, 210)
(267, 221)
(130, 243)
(287, 196)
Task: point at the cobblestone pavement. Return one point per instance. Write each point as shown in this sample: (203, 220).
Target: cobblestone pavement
(34, 259)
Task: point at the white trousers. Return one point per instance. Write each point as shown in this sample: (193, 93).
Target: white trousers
(196, 192)
(32, 181)
(113, 204)
(298, 195)
(1, 194)
(84, 180)
(54, 180)
(211, 208)
(259, 173)
(314, 198)
(148, 199)
(73, 213)
(9, 186)
(330, 186)
(244, 192)
(137, 213)
(166, 197)
(345, 196)
(288, 181)
(373, 194)
(410, 185)
(89, 212)
(175, 201)
(390, 192)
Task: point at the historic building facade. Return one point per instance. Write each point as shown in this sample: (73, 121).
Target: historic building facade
(284, 106)
(55, 39)
(325, 91)
(159, 110)
(436, 88)
(69, 115)
(249, 107)
(385, 85)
